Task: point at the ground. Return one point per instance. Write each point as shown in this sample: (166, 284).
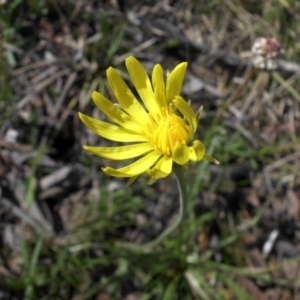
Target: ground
(63, 223)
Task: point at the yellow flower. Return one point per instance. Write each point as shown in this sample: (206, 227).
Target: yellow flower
(159, 134)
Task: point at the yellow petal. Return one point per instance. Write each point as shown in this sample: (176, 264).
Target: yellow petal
(131, 180)
(111, 132)
(142, 84)
(122, 152)
(136, 168)
(199, 112)
(158, 82)
(162, 169)
(175, 80)
(187, 111)
(114, 113)
(125, 97)
(181, 154)
(197, 151)
(211, 159)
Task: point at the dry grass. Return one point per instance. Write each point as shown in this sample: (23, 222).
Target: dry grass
(61, 218)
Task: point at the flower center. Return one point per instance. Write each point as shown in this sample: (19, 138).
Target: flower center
(170, 131)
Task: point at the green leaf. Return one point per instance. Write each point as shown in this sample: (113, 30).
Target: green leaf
(35, 256)
(30, 184)
(235, 288)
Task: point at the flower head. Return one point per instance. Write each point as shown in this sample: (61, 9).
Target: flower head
(265, 53)
(158, 134)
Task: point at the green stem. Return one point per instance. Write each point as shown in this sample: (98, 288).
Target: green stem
(287, 84)
(183, 197)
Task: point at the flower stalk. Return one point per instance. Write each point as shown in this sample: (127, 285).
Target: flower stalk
(183, 198)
